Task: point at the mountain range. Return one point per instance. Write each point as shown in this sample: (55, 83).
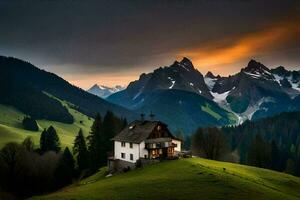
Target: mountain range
(180, 95)
(104, 91)
(177, 94)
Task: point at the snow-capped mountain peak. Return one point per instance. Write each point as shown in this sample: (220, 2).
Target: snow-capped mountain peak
(104, 91)
(210, 79)
(257, 70)
(288, 79)
(181, 75)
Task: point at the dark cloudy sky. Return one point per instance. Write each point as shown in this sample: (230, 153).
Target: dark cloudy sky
(111, 42)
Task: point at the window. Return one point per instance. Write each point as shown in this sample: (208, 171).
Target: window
(131, 156)
(123, 155)
(158, 128)
(131, 145)
(160, 151)
(123, 144)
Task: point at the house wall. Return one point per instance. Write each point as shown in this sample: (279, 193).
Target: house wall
(178, 148)
(137, 151)
(143, 151)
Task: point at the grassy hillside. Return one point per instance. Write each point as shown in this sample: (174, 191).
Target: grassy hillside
(193, 178)
(11, 126)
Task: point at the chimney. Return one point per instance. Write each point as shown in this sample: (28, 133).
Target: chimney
(142, 116)
(151, 116)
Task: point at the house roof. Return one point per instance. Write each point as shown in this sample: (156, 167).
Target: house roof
(137, 131)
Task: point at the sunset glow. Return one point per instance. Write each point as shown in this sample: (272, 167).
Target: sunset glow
(214, 56)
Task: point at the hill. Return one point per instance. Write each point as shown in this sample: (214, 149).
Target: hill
(193, 178)
(11, 129)
(27, 88)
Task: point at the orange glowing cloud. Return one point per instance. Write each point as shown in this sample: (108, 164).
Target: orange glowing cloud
(111, 80)
(215, 57)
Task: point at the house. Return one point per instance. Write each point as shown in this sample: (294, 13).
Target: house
(143, 140)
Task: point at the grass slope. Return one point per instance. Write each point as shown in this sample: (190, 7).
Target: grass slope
(193, 178)
(11, 129)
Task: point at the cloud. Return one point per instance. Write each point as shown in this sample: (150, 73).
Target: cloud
(215, 55)
(123, 38)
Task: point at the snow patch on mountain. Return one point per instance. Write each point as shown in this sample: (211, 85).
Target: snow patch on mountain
(136, 96)
(295, 85)
(210, 82)
(219, 98)
(172, 82)
(278, 79)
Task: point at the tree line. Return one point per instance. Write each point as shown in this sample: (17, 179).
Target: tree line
(272, 143)
(26, 170)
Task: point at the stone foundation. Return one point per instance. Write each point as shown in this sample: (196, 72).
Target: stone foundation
(116, 165)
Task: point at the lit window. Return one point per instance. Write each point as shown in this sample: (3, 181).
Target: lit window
(131, 145)
(123, 144)
(131, 127)
(158, 128)
(123, 155)
(131, 156)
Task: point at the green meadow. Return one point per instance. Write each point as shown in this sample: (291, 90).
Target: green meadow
(11, 129)
(192, 178)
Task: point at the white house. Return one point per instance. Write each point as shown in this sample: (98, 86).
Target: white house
(142, 140)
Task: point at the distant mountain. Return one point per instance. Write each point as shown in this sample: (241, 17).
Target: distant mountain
(181, 109)
(32, 91)
(104, 91)
(177, 95)
(256, 91)
(289, 80)
(210, 80)
(180, 75)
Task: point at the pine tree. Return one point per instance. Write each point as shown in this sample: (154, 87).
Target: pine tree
(94, 145)
(30, 124)
(68, 159)
(260, 153)
(290, 166)
(275, 157)
(209, 143)
(110, 128)
(65, 169)
(81, 152)
(52, 140)
(49, 140)
(43, 141)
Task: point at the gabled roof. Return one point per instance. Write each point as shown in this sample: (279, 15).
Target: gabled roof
(137, 131)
